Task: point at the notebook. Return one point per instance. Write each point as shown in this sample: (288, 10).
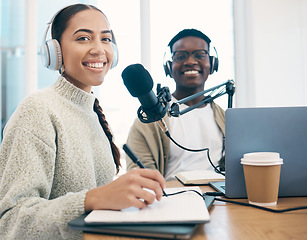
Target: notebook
(274, 129)
(182, 205)
(163, 231)
(170, 231)
(198, 177)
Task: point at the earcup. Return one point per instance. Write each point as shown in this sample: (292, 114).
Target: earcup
(115, 56)
(214, 64)
(51, 54)
(168, 68)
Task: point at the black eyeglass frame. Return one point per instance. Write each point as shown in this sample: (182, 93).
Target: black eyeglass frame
(188, 54)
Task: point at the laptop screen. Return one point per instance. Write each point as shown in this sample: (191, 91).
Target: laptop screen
(278, 129)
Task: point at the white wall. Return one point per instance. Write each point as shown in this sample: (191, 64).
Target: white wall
(271, 52)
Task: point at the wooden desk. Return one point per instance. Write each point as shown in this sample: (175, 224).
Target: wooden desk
(231, 221)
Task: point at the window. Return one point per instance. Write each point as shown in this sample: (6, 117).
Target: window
(12, 56)
(157, 20)
(164, 19)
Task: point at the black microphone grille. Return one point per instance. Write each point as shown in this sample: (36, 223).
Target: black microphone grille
(137, 80)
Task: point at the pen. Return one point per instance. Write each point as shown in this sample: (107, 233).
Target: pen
(136, 160)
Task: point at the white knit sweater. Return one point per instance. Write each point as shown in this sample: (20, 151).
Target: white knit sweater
(53, 151)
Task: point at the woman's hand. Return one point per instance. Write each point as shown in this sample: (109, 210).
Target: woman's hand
(127, 191)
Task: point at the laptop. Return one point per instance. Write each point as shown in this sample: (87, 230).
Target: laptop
(272, 129)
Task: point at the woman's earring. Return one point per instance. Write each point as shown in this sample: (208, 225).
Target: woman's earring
(62, 69)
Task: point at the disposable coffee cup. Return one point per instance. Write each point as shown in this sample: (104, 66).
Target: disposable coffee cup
(262, 175)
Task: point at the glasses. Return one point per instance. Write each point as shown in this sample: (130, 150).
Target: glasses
(198, 55)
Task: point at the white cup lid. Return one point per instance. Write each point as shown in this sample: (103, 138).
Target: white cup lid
(262, 158)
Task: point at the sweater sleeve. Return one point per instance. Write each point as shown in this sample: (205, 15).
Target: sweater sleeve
(219, 115)
(150, 144)
(26, 212)
(27, 164)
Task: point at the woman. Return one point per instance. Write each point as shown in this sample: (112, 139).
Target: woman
(57, 158)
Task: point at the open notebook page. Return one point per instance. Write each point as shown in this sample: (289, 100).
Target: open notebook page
(187, 207)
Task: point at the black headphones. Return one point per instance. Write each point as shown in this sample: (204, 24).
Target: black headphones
(214, 64)
(51, 50)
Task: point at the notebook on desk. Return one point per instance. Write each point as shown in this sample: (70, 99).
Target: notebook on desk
(171, 231)
(278, 129)
(181, 205)
(161, 231)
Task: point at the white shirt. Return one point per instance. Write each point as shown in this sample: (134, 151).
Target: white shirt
(195, 129)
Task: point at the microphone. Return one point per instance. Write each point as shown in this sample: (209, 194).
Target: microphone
(139, 83)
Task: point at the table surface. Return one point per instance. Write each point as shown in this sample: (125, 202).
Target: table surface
(232, 221)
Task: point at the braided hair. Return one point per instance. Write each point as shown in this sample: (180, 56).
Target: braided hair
(105, 126)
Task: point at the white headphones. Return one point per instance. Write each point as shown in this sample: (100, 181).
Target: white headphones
(52, 55)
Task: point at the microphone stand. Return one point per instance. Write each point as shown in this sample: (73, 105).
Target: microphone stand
(156, 113)
(215, 92)
(230, 90)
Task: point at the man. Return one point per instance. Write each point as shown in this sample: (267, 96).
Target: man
(203, 127)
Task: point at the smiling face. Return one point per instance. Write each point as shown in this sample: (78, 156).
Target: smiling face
(190, 75)
(87, 51)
